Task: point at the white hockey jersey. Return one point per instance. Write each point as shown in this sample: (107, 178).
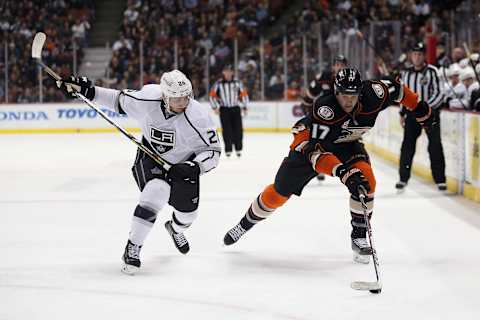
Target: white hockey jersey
(456, 94)
(190, 135)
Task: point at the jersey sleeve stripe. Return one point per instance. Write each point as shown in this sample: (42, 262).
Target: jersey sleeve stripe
(190, 123)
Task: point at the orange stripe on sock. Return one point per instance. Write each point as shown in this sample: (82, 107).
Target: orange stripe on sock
(271, 198)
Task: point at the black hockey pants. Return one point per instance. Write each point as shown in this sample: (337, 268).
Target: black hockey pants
(231, 120)
(411, 133)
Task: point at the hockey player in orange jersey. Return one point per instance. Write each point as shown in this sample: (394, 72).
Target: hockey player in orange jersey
(329, 141)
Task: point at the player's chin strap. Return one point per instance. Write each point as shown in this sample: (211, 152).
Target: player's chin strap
(37, 46)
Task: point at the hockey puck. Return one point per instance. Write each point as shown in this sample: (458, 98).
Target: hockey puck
(376, 291)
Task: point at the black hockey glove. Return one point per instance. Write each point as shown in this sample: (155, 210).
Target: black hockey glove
(188, 171)
(311, 147)
(426, 116)
(73, 84)
(353, 178)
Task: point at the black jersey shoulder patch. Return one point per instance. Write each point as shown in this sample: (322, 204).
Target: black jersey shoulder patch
(325, 112)
(379, 90)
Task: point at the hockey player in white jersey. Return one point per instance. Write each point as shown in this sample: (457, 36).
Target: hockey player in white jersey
(177, 128)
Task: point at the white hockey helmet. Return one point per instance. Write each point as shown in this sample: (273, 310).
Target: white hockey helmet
(175, 84)
(467, 73)
(454, 70)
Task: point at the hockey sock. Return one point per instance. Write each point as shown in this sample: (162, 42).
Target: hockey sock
(142, 222)
(250, 218)
(359, 225)
(182, 220)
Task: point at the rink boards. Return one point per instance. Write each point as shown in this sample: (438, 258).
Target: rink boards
(460, 133)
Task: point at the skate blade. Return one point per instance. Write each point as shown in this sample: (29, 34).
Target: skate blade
(364, 259)
(400, 191)
(129, 269)
(367, 286)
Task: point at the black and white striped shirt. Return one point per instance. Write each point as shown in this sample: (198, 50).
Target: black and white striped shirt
(426, 83)
(228, 94)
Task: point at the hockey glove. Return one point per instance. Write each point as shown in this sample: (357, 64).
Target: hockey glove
(188, 171)
(425, 115)
(310, 148)
(73, 84)
(353, 178)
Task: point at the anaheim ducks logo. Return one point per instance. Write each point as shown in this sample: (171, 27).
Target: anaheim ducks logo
(325, 112)
(379, 91)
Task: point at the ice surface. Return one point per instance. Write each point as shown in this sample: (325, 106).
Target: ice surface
(66, 203)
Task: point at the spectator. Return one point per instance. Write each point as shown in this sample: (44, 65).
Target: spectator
(458, 54)
(19, 22)
(79, 30)
(293, 91)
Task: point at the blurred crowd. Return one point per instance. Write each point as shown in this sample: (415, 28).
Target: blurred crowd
(204, 32)
(341, 19)
(193, 34)
(19, 21)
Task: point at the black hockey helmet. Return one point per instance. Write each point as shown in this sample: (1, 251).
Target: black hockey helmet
(227, 67)
(419, 47)
(348, 81)
(340, 58)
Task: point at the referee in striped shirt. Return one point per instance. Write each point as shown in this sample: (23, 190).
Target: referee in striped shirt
(424, 79)
(229, 99)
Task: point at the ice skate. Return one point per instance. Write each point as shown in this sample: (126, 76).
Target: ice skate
(361, 250)
(234, 234)
(442, 187)
(131, 258)
(178, 238)
(400, 186)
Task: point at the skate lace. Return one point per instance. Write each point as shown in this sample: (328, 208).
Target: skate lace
(180, 239)
(236, 232)
(361, 242)
(134, 251)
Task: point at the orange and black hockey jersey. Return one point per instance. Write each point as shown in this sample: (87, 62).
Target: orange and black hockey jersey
(330, 127)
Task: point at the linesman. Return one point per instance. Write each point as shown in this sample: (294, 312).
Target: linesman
(229, 99)
(423, 79)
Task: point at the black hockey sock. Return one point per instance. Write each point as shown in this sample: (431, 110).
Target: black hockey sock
(145, 214)
(359, 226)
(250, 219)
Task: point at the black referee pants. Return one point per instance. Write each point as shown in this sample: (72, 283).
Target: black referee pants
(411, 133)
(232, 128)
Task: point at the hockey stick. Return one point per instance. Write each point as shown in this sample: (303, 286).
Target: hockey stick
(373, 287)
(469, 55)
(37, 46)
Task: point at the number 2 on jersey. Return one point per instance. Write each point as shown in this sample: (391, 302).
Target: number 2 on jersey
(212, 136)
